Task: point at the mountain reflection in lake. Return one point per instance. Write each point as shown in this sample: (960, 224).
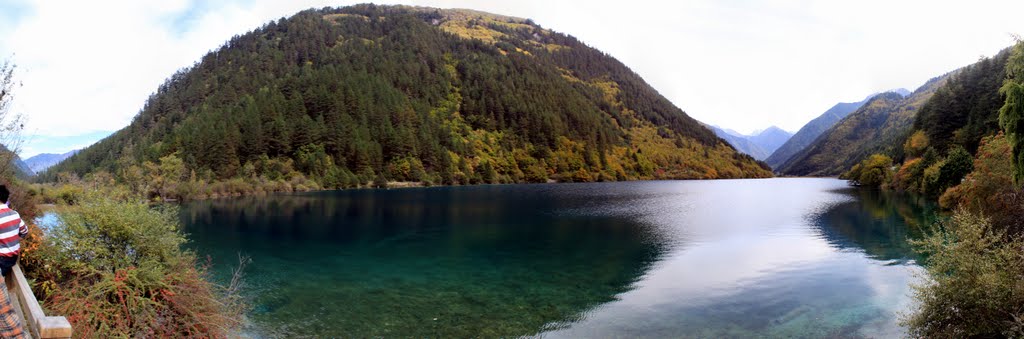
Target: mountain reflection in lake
(877, 223)
(489, 261)
(736, 258)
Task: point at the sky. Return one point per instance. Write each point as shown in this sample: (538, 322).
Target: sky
(86, 68)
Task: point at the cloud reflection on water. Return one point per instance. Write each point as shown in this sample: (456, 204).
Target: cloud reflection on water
(733, 258)
(782, 257)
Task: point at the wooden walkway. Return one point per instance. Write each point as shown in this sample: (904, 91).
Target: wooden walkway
(32, 317)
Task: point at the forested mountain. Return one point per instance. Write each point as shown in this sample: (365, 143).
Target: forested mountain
(949, 128)
(759, 145)
(810, 131)
(966, 108)
(806, 135)
(900, 91)
(367, 93)
(41, 162)
(958, 109)
(879, 126)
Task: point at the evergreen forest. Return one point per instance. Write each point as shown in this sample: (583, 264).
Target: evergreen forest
(370, 95)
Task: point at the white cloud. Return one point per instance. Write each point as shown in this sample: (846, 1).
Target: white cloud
(89, 66)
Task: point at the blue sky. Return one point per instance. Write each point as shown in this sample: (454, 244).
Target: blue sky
(36, 144)
(87, 67)
(13, 10)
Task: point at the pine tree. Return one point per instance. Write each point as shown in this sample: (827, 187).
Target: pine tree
(1011, 115)
(401, 90)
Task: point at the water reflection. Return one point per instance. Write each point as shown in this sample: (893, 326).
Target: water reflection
(876, 222)
(731, 258)
(754, 262)
(478, 261)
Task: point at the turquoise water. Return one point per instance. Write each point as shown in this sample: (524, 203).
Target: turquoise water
(727, 258)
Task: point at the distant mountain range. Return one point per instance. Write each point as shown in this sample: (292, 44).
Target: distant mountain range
(879, 126)
(813, 129)
(771, 139)
(776, 146)
(758, 145)
(41, 162)
(957, 109)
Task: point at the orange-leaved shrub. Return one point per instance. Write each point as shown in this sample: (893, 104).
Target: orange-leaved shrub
(988, 190)
(115, 268)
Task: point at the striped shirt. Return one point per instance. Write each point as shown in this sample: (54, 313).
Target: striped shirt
(12, 229)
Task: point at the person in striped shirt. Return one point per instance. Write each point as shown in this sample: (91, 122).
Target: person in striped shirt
(12, 229)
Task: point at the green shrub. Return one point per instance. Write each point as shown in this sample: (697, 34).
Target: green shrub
(871, 172)
(908, 178)
(916, 144)
(116, 269)
(989, 188)
(930, 183)
(1011, 115)
(974, 287)
(957, 165)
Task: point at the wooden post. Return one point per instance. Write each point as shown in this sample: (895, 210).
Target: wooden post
(39, 325)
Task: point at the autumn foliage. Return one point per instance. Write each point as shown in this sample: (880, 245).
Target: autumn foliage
(989, 189)
(115, 268)
(872, 172)
(367, 95)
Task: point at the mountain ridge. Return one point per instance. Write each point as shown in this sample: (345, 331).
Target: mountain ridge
(40, 162)
(771, 139)
(348, 96)
(740, 142)
(878, 126)
(758, 144)
(810, 131)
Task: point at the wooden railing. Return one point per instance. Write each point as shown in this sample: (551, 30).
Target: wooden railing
(35, 321)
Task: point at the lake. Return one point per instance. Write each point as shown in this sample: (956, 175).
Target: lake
(792, 257)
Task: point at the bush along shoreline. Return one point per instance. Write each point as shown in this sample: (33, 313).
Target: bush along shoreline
(113, 264)
(974, 258)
